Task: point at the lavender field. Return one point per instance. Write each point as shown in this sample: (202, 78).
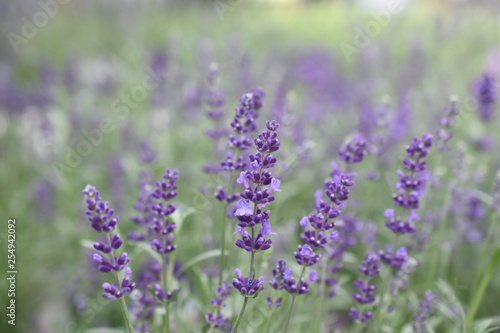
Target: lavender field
(239, 166)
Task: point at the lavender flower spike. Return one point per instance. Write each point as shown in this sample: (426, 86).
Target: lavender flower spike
(102, 219)
(485, 95)
(365, 295)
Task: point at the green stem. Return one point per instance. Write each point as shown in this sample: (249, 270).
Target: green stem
(166, 320)
(290, 313)
(268, 325)
(378, 315)
(126, 316)
(240, 315)
(322, 296)
(484, 257)
(223, 233)
(358, 327)
(435, 258)
(293, 301)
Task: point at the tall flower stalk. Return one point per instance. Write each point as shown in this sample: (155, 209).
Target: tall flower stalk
(243, 125)
(259, 186)
(411, 186)
(103, 220)
(318, 232)
(162, 230)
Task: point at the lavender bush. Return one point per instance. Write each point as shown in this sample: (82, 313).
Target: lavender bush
(338, 181)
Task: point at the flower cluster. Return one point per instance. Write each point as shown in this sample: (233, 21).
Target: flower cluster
(410, 185)
(485, 95)
(214, 101)
(259, 186)
(425, 308)
(243, 124)
(162, 227)
(318, 232)
(247, 286)
(354, 150)
(283, 279)
(445, 132)
(216, 319)
(370, 268)
(102, 219)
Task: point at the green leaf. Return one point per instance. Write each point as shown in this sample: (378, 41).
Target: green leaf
(200, 258)
(478, 295)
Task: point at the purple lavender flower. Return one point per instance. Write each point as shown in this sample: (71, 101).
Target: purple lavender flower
(162, 226)
(425, 308)
(365, 295)
(102, 219)
(259, 186)
(247, 286)
(278, 279)
(216, 319)
(411, 184)
(305, 256)
(445, 132)
(354, 150)
(274, 304)
(485, 95)
(302, 286)
(394, 258)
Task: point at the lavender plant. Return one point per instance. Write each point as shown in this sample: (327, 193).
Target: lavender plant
(259, 187)
(102, 219)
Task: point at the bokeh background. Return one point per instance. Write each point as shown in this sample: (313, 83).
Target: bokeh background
(66, 65)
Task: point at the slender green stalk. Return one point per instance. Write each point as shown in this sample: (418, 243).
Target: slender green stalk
(223, 232)
(240, 315)
(123, 304)
(290, 313)
(293, 301)
(322, 296)
(166, 319)
(358, 327)
(435, 258)
(484, 257)
(479, 294)
(268, 324)
(378, 315)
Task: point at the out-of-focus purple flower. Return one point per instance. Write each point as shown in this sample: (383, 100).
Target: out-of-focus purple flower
(216, 319)
(397, 258)
(162, 227)
(355, 314)
(278, 279)
(44, 198)
(484, 91)
(411, 183)
(354, 150)
(425, 308)
(274, 304)
(116, 179)
(147, 153)
(365, 295)
(445, 131)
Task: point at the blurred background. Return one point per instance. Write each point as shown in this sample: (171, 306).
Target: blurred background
(88, 88)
